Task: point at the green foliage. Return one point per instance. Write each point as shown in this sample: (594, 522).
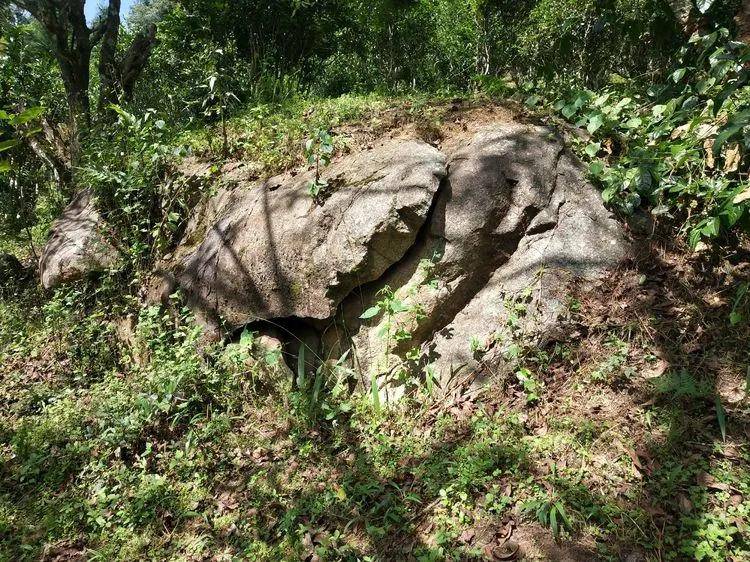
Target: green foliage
(680, 148)
(216, 103)
(128, 168)
(586, 41)
(614, 363)
(550, 513)
(138, 450)
(148, 442)
(318, 153)
(19, 174)
(532, 388)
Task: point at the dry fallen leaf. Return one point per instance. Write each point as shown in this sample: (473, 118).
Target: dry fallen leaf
(467, 536)
(705, 130)
(655, 511)
(686, 506)
(708, 144)
(658, 370)
(680, 131)
(507, 551)
(706, 480)
(742, 196)
(732, 158)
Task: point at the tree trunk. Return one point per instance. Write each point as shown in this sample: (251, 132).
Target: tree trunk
(57, 153)
(136, 59)
(742, 19)
(76, 78)
(109, 68)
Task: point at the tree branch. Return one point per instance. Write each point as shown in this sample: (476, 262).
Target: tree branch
(136, 59)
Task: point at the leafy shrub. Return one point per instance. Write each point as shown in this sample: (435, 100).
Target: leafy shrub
(680, 147)
(130, 168)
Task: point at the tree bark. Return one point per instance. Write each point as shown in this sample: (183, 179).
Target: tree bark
(742, 19)
(108, 65)
(136, 59)
(118, 77)
(72, 42)
(56, 154)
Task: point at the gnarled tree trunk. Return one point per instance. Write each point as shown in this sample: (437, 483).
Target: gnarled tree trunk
(72, 43)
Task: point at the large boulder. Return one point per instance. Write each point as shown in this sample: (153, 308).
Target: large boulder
(268, 250)
(514, 217)
(454, 257)
(79, 244)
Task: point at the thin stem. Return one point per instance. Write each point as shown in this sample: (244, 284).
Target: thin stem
(31, 244)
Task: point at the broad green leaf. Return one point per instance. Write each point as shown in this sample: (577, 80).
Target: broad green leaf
(5, 166)
(247, 338)
(712, 227)
(743, 195)
(601, 100)
(553, 521)
(705, 85)
(633, 123)
(370, 312)
(569, 111)
(623, 102)
(301, 367)
(724, 135)
(128, 118)
(563, 515)
(375, 393)
(732, 213)
(28, 115)
(609, 194)
(8, 144)
(397, 306)
(694, 237)
(429, 378)
(678, 74)
(690, 103)
(532, 101)
(596, 168)
(592, 149)
(737, 122)
(580, 101)
(317, 386)
(595, 123)
(704, 5)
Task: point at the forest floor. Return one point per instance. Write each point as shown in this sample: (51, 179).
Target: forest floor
(634, 445)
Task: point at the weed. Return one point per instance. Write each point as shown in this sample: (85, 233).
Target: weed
(318, 152)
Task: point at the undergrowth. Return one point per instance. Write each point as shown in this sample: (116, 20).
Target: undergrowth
(165, 449)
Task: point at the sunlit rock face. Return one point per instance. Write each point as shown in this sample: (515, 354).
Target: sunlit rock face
(79, 244)
(514, 224)
(269, 250)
